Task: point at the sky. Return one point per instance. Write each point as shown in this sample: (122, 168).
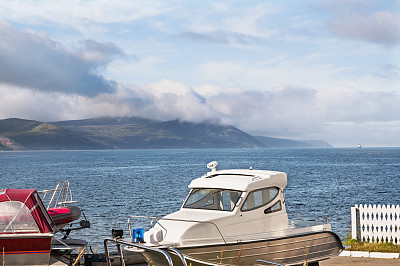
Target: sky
(305, 70)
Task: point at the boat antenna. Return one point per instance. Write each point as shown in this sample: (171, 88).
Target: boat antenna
(212, 166)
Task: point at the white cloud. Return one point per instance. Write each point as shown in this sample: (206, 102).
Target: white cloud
(380, 27)
(252, 21)
(208, 90)
(230, 24)
(268, 75)
(78, 13)
(365, 20)
(36, 105)
(34, 60)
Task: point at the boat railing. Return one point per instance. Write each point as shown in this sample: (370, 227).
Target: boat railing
(119, 242)
(179, 254)
(265, 262)
(167, 257)
(157, 219)
(61, 195)
(316, 220)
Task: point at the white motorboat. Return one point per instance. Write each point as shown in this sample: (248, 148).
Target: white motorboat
(235, 217)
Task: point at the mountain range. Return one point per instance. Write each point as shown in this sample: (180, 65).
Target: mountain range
(132, 133)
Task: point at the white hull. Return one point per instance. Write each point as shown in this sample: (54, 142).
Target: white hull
(293, 250)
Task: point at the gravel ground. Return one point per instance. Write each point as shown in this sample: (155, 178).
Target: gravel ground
(351, 261)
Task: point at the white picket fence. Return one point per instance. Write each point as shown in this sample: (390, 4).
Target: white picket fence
(376, 223)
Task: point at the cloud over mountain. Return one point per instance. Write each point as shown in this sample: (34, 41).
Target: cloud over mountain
(292, 112)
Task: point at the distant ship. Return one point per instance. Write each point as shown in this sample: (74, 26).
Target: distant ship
(359, 146)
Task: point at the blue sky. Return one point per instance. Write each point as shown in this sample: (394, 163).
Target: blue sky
(293, 69)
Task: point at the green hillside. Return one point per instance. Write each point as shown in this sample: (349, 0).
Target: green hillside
(270, 142)
(35, 135)
(139, 133)
(132, 133)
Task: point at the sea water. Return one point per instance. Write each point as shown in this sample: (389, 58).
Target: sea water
(111, 185)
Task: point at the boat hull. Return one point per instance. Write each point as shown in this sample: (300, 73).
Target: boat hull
(62, 216)
(25, 250)
(294, 250)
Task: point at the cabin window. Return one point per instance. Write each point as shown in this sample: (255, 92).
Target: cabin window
(212, 199)
(15, 217)
(274, 208)
(259, 198)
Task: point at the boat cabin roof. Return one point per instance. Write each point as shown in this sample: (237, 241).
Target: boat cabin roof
(241, 180)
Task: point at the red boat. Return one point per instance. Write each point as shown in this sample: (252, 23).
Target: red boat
(64, 215)
(26, 228)
(58, 205)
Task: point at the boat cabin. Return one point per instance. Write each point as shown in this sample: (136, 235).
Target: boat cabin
(26, 228)
(225, 206)
(22, 211)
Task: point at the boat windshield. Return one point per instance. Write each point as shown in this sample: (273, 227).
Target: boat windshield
(212, 199)
(15, 217)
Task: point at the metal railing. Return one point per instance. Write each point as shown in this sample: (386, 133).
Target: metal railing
(180, 255)
(268, 262)
(61, 195)
(146, 248)
(156, 219)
